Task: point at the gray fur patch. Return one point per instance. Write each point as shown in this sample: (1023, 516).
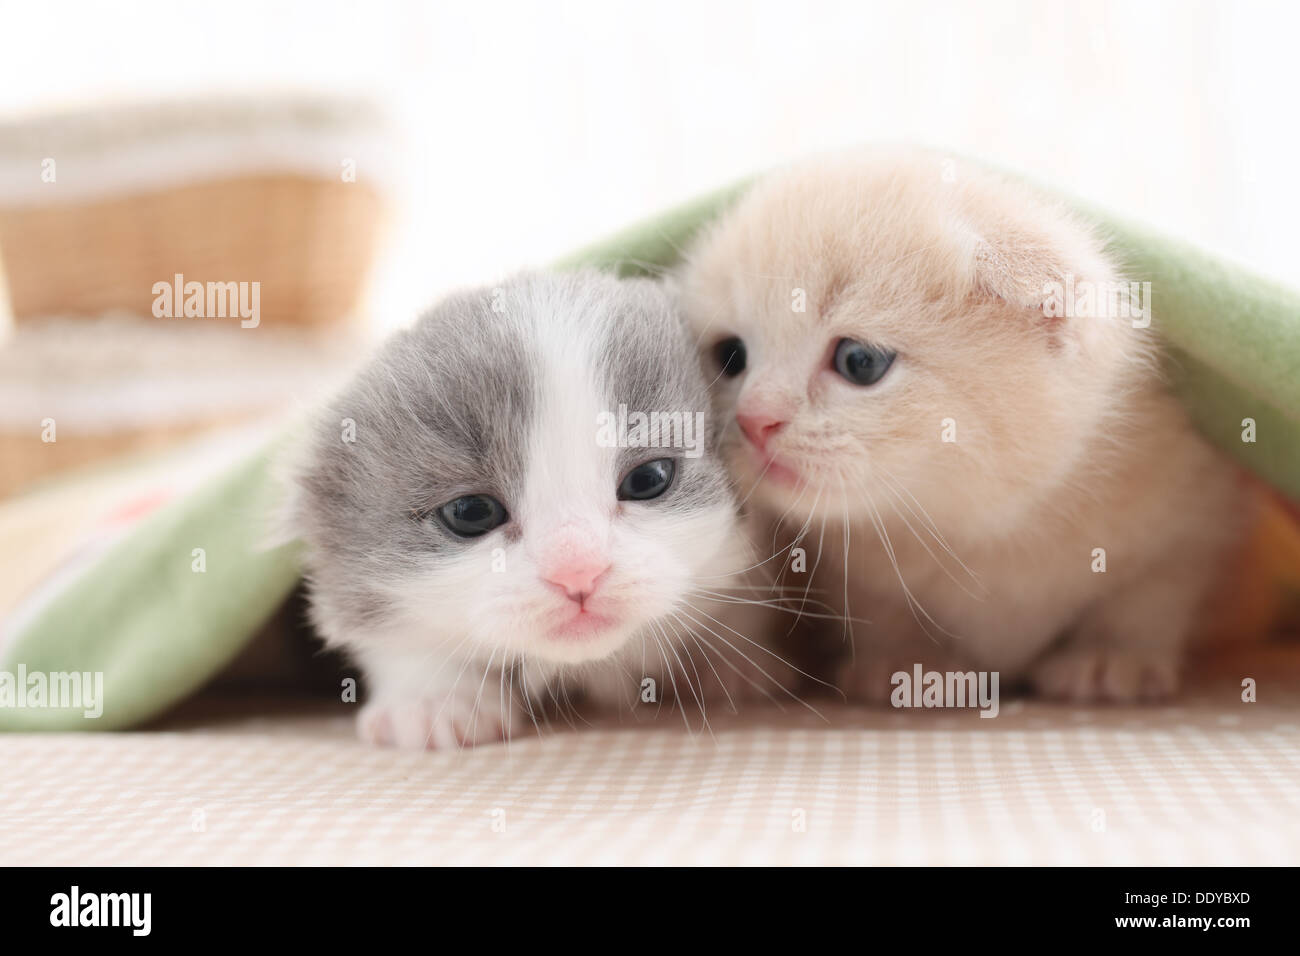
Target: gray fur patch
(445, 409)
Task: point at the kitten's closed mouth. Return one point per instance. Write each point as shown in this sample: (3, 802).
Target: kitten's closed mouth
(581, 625)
(771, 468)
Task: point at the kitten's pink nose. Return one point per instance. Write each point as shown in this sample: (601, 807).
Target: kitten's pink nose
(577, 578)
(759, 427)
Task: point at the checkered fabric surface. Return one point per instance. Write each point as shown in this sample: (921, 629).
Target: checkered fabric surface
(1209, 780)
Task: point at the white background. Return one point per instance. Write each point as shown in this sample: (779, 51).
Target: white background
(536, 127)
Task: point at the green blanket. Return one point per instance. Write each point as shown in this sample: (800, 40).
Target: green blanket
(157, 631)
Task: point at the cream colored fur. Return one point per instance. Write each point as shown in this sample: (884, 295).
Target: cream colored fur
(977, 551)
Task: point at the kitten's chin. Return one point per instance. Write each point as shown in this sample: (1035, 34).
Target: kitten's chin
(768, 477)
(580, 636)
(583, 627)
(777, 472)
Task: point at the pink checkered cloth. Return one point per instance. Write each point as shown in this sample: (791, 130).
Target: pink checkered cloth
(1208, 780)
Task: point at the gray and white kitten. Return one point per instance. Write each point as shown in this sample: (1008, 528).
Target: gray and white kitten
(480, 549)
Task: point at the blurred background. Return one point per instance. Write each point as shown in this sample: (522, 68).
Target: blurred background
(526, 129)
(357, 160)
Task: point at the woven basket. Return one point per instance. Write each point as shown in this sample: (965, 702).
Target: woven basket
(26, 460)
(98, 207)
(308, 241)
(119, 385)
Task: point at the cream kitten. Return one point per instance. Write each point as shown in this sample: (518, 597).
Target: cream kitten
(886, 337)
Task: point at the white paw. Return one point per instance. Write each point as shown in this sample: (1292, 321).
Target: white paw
(1106, 674)
(438, 723)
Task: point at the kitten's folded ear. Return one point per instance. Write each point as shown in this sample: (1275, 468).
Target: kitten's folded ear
(1051, 269)
(1025, 254)
(1017, 269)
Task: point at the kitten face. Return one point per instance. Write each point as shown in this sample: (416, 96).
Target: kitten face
(877, 332)
(480, 512)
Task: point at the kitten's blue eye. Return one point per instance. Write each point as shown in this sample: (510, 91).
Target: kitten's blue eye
(862, 364)
(647, 481)
(473, 515)
(730, 356)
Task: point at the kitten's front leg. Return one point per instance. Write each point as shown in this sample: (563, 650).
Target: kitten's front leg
(892, 640)
(436, 703)
(866, 674)
(1128, 646)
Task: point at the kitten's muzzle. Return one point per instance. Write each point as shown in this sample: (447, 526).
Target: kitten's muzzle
(577, 579)
(759, 427)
